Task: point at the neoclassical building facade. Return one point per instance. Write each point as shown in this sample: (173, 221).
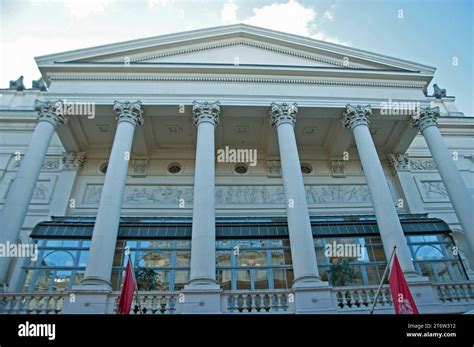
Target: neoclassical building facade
(226, 164)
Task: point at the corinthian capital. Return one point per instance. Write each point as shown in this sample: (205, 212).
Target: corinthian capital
(127, 111)
(426, 117)
(356, 115)
(206, 112)
(73, 160)
(283, 113)
(399, 161)
(50, 111)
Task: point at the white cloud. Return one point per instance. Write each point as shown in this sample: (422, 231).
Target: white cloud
(291, 17)
(229, 13)
(155, 3)
(81, 9)
(328, 15)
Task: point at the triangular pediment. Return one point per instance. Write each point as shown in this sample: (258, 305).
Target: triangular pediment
(237, 52)
(234, 45)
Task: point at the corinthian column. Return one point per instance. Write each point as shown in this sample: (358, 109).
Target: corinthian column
(356, 118)
(283, 118)
(202, 294)
(21, 189)
(203, 247)
(104, 237)
(452, 180)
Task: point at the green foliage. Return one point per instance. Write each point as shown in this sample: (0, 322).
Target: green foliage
(341, 273)
(146, 278)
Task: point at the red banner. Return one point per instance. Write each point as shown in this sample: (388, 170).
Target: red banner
(402, 300)
(128, 289)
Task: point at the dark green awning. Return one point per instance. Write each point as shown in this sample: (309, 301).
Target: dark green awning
(265, 227)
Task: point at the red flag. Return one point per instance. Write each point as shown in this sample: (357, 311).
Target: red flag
(402, 300)
(128, 289)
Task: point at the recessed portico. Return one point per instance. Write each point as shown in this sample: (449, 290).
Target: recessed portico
(327, 138)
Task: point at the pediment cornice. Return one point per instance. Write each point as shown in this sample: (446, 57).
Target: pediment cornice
(145, 50)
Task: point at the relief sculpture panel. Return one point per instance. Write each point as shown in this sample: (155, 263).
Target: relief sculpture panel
(233, 195)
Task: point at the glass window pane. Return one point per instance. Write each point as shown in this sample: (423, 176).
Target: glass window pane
(162, 280)
(289, 277)
(58, 258)
(243, 279)
(183, 258)
(426, 270)
(79, 277)
(132, 244)
(373, 274)
(181, 278)
(414, 239)
(278, 258)
(29, 275)
(118, 257)
(43, 281)
(458, 272)
(183, 244)
(282, 257)
(377, 253)
(250, 243)
(276, 243)
(61, 280)
(251, 258)
(428, 252)
(62, 243)
(318, 243)
(225, 279)
(441, 270)
(156, 259)
(83, 256)
(279, 279)
(116, 279)
(323, 273)
(223, 244)
(321, 256)
(261, 279)
(156, 244)
(223, 258)
(375, 240)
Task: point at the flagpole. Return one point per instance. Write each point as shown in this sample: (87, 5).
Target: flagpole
(137, 297)
(383, 279)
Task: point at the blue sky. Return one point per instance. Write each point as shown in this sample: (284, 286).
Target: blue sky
(437, 33)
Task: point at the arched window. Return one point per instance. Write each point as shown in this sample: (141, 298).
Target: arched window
(58, 258)
(252, 258)
(428, 252)
(155, 259)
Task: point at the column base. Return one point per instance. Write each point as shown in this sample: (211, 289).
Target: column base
(89, 299)
(200, 299)
(313, 297)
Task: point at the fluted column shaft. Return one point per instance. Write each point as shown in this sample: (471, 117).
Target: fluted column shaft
(203, 247)
(283, 118)
(22, 188)
(104, 237)
(356, 118)
(455, 186)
